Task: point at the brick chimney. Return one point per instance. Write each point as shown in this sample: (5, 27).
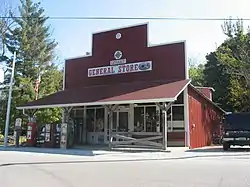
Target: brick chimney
(207, 91)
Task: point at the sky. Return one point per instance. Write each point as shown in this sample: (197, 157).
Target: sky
(74, 36)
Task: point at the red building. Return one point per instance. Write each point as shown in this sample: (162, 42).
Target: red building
(128, 92)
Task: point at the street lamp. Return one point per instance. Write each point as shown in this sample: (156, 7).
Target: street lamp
(6, 131)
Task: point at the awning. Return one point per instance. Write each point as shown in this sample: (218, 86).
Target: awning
(139, 92)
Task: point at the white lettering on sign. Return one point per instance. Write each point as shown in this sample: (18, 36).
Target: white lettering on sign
(116, 62)
(120, 69)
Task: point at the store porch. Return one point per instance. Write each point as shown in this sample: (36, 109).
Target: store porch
(151, 117)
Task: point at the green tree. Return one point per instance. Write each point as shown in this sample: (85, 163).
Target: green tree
(196, 72)
(234, 55)
(196, 75)
(5, 24)
(227, 69)
(52, 81)
(215, 76)
(31, 39)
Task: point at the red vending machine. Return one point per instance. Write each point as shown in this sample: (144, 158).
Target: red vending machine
(31, 134)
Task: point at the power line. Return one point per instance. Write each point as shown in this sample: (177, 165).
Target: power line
(134, 18)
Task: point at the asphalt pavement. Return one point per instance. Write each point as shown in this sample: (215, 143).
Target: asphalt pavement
(198, 168)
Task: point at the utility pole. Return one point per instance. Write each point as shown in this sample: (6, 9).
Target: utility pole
(7, 122)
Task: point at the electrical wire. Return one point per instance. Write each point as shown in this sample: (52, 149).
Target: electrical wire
(134, 18)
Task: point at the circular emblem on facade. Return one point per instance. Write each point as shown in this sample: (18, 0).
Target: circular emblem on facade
(118, 36)
(118, 55)
(144, 66)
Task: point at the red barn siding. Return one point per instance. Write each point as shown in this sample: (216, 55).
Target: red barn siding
(206, 118)
(168, 61)
(206, 91)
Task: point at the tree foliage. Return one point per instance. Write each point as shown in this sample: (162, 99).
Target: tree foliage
(5, 24)
(235, 53)
(196, 73)
(228, 69)
(32, 41)
(215, 76)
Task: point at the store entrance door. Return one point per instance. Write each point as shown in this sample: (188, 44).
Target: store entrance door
(79, 132)
(120, 121)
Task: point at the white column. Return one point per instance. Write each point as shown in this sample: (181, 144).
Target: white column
(131, 118)
(7, 122)
(110, 127)
(106, 141)
(85, 124)
(186, 118)
(64, 131)
(158, 120)
(165, 128)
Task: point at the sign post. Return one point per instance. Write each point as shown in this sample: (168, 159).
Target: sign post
(6, 131)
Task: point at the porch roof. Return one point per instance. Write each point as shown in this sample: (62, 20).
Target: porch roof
(137, 92)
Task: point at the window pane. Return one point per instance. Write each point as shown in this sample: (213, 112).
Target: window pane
(79, 113)
(123, 122)
(139, 119)
(169, 119)
(178, 113)
(90, 120)
(151, 119)
(114, 121)
(99, 126)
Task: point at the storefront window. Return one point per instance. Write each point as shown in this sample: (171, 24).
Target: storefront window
(99, 126)
(90, 120)
(178, 113)
(114, 127)
(95, 120)
(79, 113)
(146, 119)
(139, 119)
(169, 118)
(150, 119)
(123, 122)
(178, 118)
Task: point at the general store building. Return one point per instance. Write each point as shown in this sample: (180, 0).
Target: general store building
(127, 92)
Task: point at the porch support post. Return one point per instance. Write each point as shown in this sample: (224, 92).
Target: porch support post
(85, 124)
(64, 143)
(186, 118)
(165, 129)
(110, 108)
(164, 107)
(110, 128)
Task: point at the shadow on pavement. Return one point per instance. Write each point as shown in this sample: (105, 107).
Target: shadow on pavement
(219, 150)
(80, 150)
(75, 152)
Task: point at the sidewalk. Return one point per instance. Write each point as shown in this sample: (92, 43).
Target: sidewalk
(45, 155)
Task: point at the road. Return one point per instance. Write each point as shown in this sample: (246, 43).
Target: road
(199, 172)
